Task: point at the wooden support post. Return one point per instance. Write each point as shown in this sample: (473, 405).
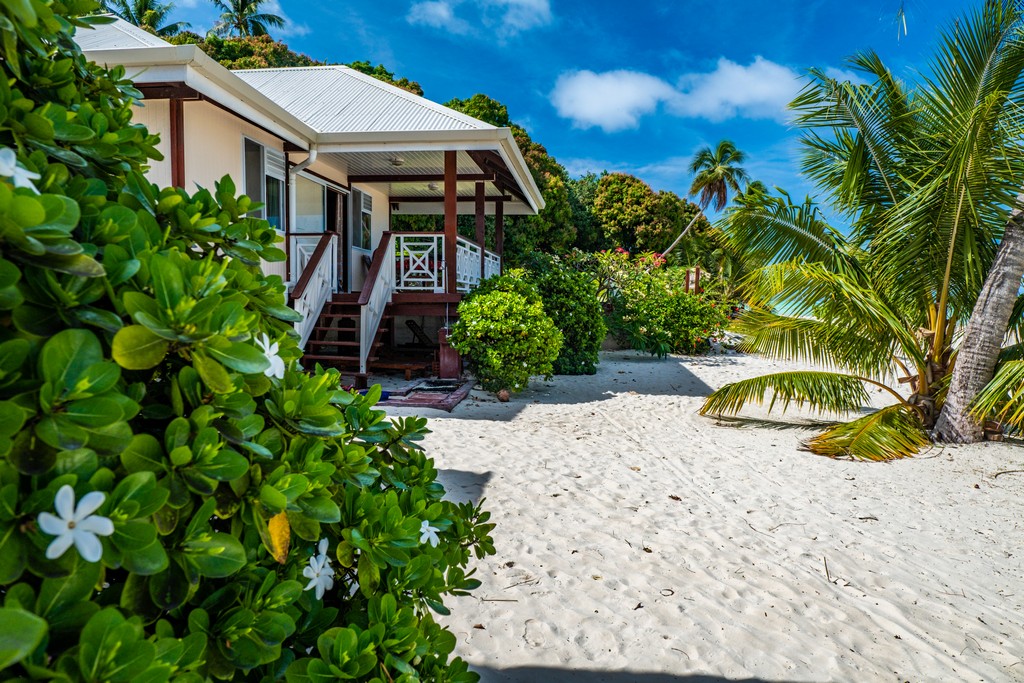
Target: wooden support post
(499, 232)
(177, 116)
(451, 220)
(481, 235)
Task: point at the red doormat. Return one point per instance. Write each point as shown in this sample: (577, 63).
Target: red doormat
(430, 394)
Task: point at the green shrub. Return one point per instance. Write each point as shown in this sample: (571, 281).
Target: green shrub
(504, 334)
(570, 300)
(178, 500)
(649, 309)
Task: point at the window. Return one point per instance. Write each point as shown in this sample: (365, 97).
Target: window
(263, 180)
(310, 206)
(363, 237)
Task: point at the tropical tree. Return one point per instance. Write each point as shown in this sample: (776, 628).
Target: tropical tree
(927, 176)
(715, 173)
(245, 18)
(150, 15)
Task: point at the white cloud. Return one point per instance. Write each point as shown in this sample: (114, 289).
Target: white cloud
(614, 100)
(437, 14)
(758, 91)
(187, 3)
(290, 28)
(521, 15)
(503, 18)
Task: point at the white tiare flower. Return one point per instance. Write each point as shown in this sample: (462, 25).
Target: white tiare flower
(76, 524)
(276, 369)
(429, 533)
(319, 572)
(21, 177)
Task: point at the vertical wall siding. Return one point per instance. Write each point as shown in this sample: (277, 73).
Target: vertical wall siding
(155, 115)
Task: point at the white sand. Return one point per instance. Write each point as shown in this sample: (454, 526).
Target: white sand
(638, 541)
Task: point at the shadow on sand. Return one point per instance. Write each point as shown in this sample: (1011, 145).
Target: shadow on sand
(541, 674)
(463, 487)
(628, 371)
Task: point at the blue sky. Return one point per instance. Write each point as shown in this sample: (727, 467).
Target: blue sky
(621, 86)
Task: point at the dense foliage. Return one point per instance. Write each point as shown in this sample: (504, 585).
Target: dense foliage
(650, 309)
(636, 218)
(248, 52)
(570, 300)
(178, 499)
(505, 335)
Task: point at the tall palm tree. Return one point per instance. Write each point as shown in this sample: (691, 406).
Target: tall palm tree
(244, 18)
(715, 173)
(147, 14)
(927, 177)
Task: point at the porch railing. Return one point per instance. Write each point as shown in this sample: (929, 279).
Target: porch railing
(376, 295)
(420, 265)
(467, 265)
(492, 264)
(317, 282)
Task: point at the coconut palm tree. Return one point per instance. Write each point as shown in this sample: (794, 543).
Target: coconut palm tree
(927, 177)
(244, 18)
(715, 173)
(147, 14)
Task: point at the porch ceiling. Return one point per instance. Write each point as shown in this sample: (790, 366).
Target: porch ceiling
(423, 193)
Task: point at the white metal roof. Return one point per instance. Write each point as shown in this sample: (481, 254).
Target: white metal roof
(338, 99)
(118, 35)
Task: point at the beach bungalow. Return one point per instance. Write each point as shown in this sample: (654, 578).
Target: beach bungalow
(333, 155)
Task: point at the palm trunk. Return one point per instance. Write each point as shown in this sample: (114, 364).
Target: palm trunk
(983, 339)
(700, 212)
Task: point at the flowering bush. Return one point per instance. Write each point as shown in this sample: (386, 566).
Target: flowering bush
(178, 500)
(570, 300)
(504, 334)
(649, 309)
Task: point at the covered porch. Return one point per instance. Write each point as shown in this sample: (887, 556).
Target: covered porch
(418, 274)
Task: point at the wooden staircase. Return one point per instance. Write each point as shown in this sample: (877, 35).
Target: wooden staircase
(335, 338)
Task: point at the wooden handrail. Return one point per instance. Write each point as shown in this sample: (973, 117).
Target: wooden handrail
(311, 265)
(375, 266)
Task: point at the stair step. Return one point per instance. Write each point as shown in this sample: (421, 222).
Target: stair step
(353, 360)
(320, 342)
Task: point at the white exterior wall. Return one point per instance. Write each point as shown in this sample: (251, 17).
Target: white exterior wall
(156, 116)
(213, 145)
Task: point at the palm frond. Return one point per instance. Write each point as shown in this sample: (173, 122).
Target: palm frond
(888, 434)
(843, 300)
(853, 347)
(826, 392)
(1002, 399)
(770, 229)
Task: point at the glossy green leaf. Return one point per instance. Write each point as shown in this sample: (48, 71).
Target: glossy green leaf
(136, 348)
(20, 634)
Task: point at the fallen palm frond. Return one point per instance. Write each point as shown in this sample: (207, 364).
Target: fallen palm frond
(1002, 399)
(887, 434)
(823, 391)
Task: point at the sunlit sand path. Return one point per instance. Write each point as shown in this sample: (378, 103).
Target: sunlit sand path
(638, 541)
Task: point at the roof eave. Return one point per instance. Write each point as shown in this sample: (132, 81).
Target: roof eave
(212, 80)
